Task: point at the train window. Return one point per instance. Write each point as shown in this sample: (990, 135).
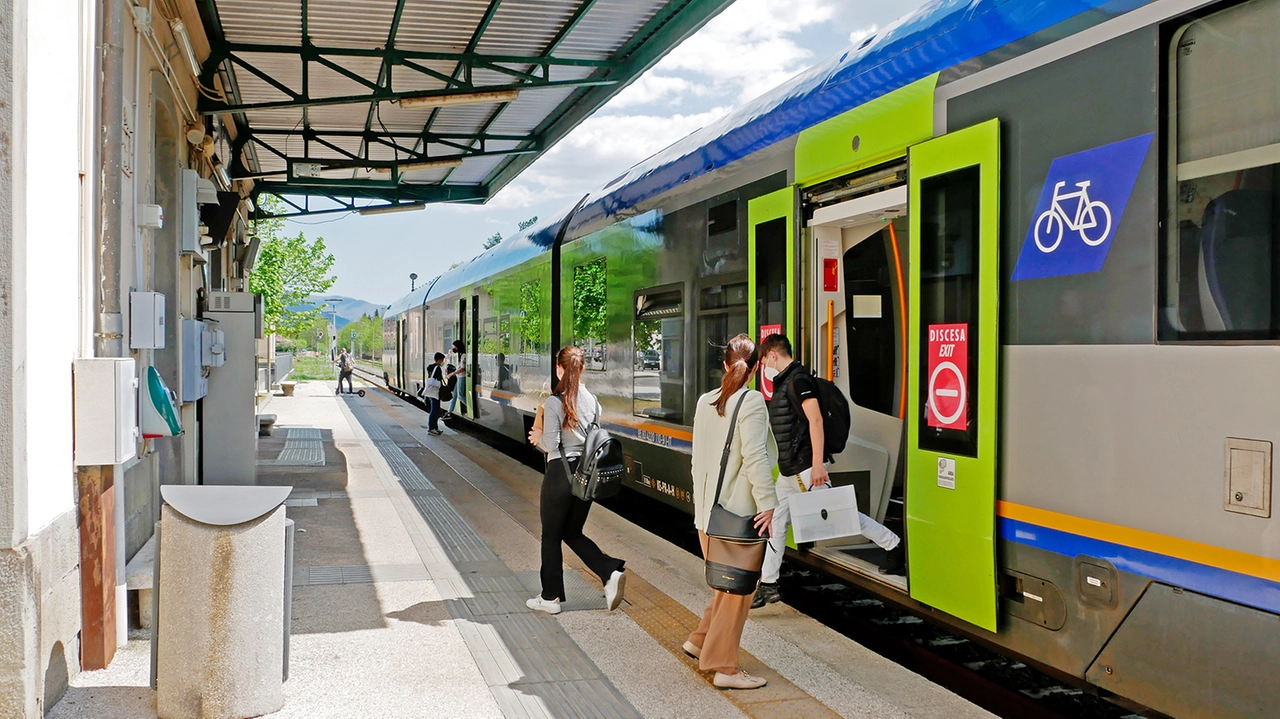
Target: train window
(949, 207)
(722, 218)
(657, 339)
(1221, 259)
(590, 312)
(722, 315)
(771, 273)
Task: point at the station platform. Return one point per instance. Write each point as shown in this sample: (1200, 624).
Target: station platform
(414, 557)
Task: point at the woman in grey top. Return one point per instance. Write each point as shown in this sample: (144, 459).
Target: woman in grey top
(567, 415)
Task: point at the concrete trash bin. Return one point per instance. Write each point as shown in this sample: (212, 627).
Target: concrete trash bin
(219, 644)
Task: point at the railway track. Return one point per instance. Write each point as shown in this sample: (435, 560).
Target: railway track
(998, 683)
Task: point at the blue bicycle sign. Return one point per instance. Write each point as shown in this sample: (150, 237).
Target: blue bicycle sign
(1091, 220)
(1084, 195)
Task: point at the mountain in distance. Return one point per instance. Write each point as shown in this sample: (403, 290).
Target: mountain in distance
(348, 310)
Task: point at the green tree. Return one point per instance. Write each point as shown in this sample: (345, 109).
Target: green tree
(526, 224)
(493, 240)
(287, 271)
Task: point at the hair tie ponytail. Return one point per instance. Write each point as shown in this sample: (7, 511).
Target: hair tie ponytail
(740, 359)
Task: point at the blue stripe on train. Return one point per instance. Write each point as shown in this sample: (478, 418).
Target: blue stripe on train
(1202, 578)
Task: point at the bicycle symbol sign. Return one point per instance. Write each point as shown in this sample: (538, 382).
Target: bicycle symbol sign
(1092, 219)
(1083, 198)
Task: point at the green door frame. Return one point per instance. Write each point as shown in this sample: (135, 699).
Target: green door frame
(776, 204)
(951, 531)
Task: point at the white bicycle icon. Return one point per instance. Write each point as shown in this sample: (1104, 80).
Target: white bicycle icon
(1051, 222)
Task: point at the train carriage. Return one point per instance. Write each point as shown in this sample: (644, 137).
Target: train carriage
(1038, 246)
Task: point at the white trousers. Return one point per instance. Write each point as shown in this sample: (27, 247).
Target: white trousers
(788, 486)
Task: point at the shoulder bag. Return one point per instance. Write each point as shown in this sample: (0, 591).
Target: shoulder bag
(735, 550)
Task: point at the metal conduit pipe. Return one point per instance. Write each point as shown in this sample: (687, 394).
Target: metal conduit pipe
(109, 331)
(110, 321)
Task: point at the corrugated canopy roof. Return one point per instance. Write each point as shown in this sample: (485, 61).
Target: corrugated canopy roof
(341, 104)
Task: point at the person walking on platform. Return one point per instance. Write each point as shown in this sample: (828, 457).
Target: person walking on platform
(346, 366)
(797, 424)
(747, 490)
(456, 366)
(567, 415)
(431, 393)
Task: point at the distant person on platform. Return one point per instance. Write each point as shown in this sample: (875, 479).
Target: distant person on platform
(796, 420)
(456, 366)
(346, 366)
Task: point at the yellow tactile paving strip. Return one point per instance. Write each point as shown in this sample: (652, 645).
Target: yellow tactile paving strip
(670, 623)
(662, 617)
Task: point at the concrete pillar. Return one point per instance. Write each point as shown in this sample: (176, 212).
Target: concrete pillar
(19, 651)
(220, 650)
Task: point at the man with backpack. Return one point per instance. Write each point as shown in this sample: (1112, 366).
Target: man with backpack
(796, 415)
(346, 366)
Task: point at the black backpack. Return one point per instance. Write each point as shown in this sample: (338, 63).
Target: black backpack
(835, 414)
(600, 468)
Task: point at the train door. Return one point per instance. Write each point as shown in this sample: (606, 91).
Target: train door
(953, 337)
(771, 260)
(473, 343)
(858, 317)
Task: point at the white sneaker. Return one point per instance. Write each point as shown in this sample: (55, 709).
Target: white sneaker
(550, 606)
(613, 590)
(692, 650)
(741, 680)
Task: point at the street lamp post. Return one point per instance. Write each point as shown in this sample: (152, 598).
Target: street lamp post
(333, 344)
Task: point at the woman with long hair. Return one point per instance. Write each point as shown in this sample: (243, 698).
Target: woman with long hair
(567, 415)
(748, 490)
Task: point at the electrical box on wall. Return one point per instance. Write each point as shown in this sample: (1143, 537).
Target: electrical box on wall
(213, 348)
(151, 217)
(194, 384)
(146, 320)
(106, 410)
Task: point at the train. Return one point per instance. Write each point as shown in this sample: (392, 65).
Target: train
(1037, 244)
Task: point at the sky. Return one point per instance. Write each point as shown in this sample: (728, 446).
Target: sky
(751, 47)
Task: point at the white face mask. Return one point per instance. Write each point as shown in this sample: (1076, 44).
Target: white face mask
(770, 373)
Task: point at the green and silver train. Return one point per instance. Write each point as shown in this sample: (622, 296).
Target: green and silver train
(1038, 245)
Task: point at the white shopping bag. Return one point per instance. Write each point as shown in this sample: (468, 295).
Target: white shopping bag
(825, 513)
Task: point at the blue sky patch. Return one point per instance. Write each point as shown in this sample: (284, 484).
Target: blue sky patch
(1080, 208)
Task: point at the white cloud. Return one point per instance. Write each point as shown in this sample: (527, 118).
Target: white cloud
(751, 47)
(598, 150)
(652, 87)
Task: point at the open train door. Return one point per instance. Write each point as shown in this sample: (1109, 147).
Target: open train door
(771, 253)
(953, 286)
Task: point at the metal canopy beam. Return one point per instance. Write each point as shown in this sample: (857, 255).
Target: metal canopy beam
(300, 74)
(532, 72)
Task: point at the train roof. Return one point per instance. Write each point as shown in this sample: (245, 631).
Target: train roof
(933, 38)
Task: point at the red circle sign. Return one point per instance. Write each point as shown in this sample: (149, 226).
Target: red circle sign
(947, 393)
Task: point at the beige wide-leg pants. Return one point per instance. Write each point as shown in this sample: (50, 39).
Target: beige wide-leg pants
(720, 630)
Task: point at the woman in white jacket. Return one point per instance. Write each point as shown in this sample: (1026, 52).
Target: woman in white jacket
(748, 489)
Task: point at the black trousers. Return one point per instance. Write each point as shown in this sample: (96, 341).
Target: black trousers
(345, 374)
(563, 517)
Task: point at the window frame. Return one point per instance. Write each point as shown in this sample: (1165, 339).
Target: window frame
(1167, 180)
(683, 290)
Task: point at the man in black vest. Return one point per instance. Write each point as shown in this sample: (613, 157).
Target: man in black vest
(796, 420)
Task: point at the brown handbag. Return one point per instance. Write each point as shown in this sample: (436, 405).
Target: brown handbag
(735, 550)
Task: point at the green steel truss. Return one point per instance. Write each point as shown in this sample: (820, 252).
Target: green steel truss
(592, 83)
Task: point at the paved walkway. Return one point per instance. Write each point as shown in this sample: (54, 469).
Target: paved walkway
(413, 560)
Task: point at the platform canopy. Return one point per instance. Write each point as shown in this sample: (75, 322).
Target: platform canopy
(349, 104)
